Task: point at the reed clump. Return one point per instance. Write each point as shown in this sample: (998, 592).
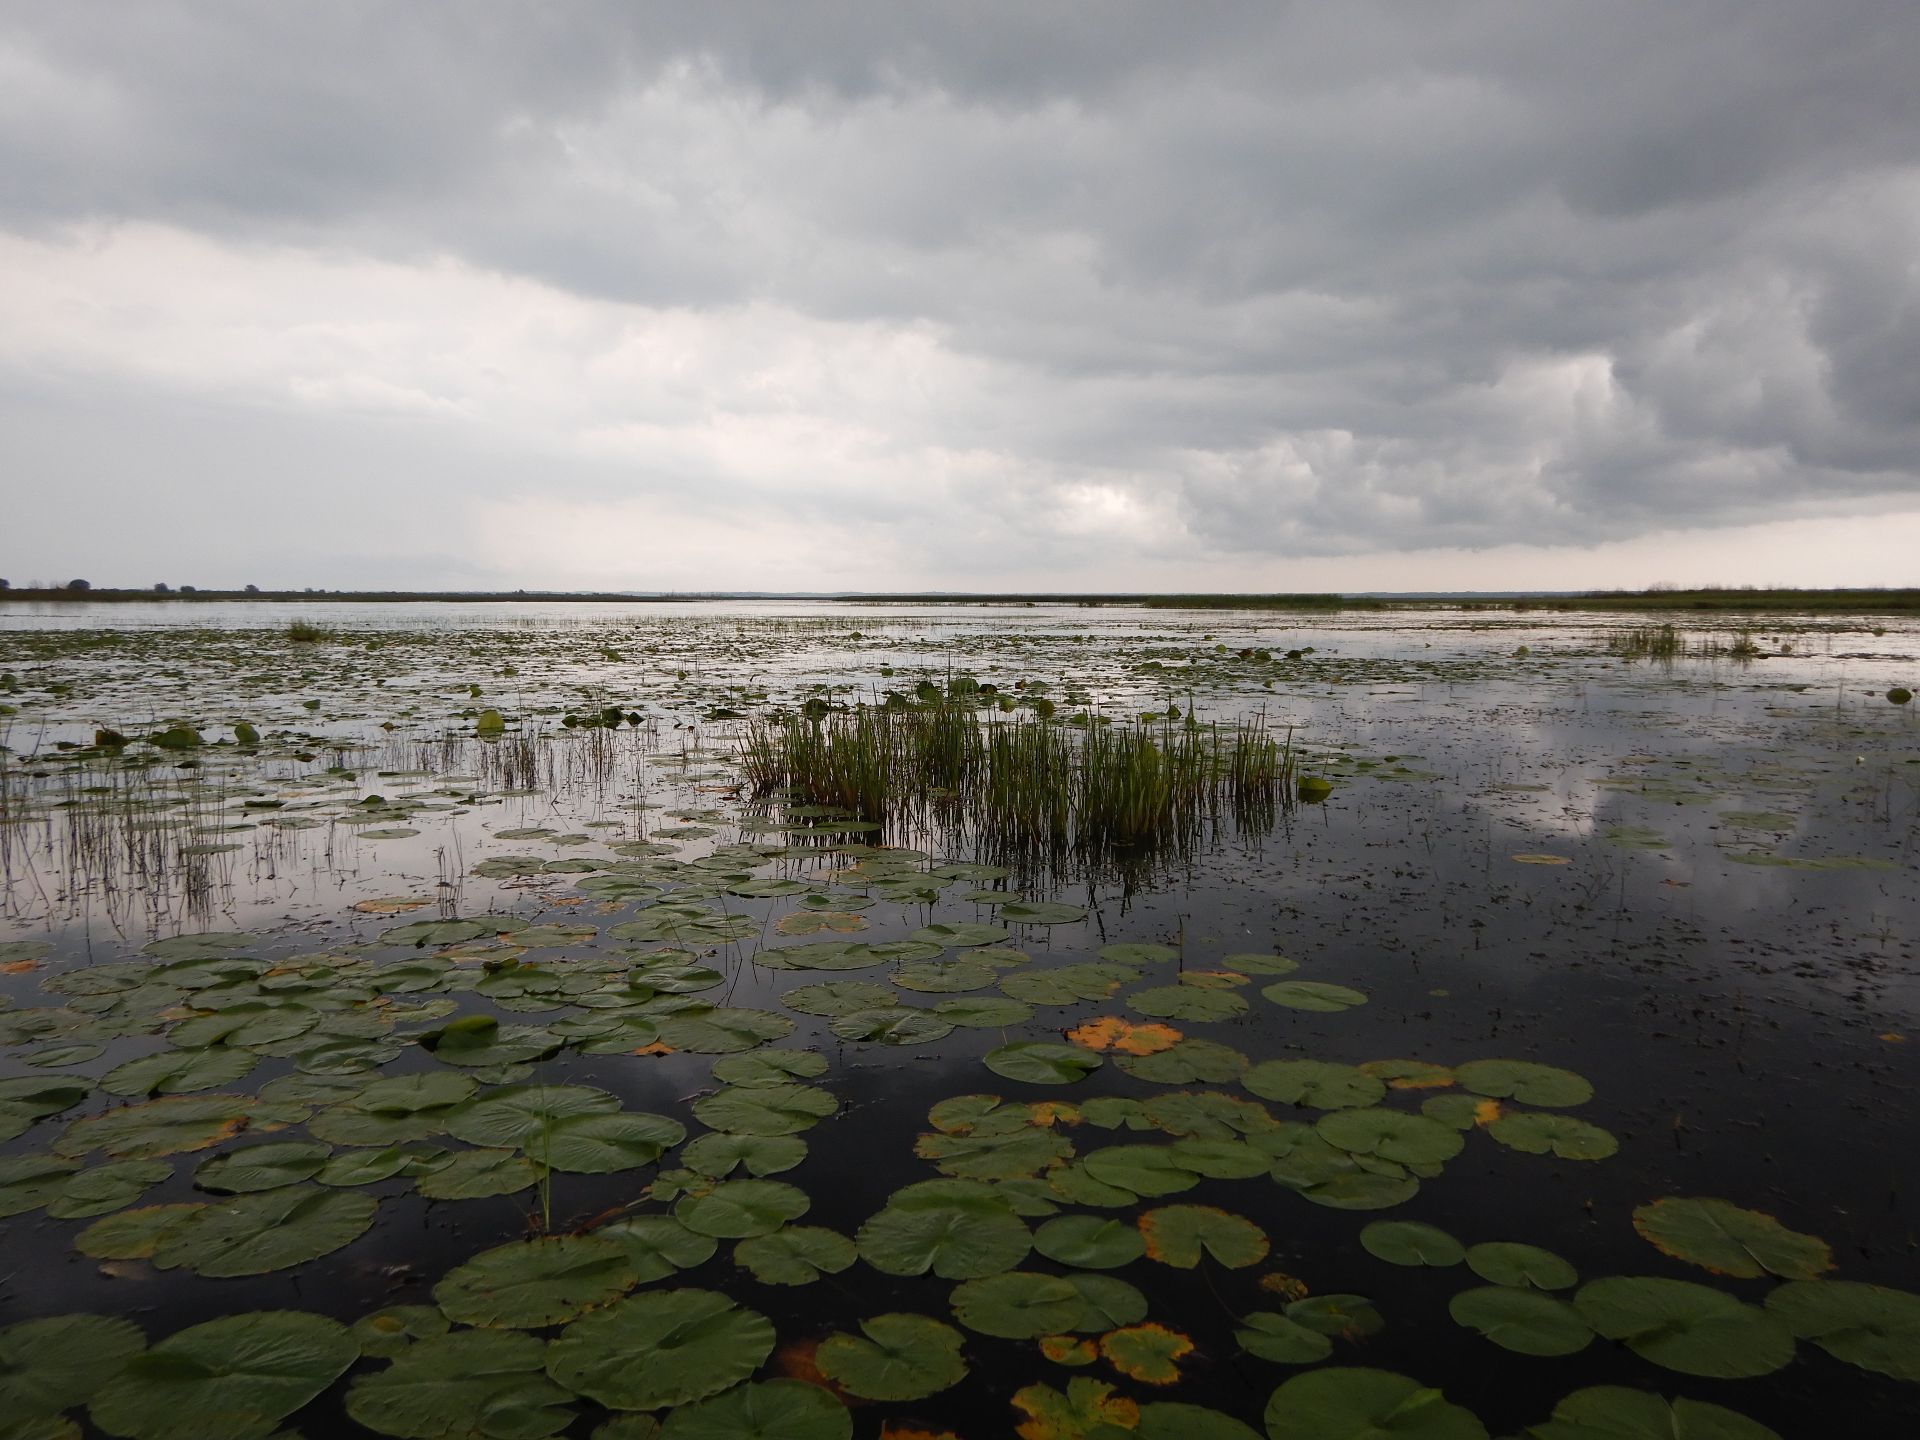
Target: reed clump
(305, 632)
(1025, 784)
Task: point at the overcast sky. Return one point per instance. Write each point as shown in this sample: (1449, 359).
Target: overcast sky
(899, 295)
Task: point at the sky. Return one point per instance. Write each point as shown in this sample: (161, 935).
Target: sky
(996, 296)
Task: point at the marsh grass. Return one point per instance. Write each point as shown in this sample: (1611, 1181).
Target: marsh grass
(305, 632)
(1025, 787)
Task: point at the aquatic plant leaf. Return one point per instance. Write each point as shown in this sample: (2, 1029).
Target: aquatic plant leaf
(237, 1377)
(1139, 953)
(1390, 1134)
(769, 1067)
(1150, 1170)
(54, 1364)
(1613, 1412)
(102, 1188)
(1089, 1410)
(1411, 1074)
(739, 1208)
(1361, 1190)
(1727, 1240)
(29, 1181)
(266, 1166)
(1187, 1002)
(536, 1282)
(1504, 1262)
(1521, 1320)
(1110, 1032)
(1018, 1305)
(1355, 1403)
(1179, 1235)
(1870, 1326)
(963, 934)
(720, 1154)
(1173, 1420)
(765, 1109)
(1525, 1081)
(1250, 963)
(1285, 1341)
(1562, 1135)
(1147, 1353)
(133, 1234)
(944, 977)
(958, 1229)
(1686, 1327)
(1037, 912)
(1348, 1317)
(174, 1072)
(1188, 1062)
(660, 1347)
(838, 997)
(724, 1031)
(476, 1174)
(658, 1245)
(1041, 1062)
(387, 1332)
(896, 1357)
(1089, 1242)
(1313, 995)
(764, 1410)
(984, 1012)
(795, 1255)
(995, 1155)
(892, 1025)
(1411, 1242)
(603, 1144)
(270, 1230)
(755, 889)
(1320, 1084)
(454, 1387)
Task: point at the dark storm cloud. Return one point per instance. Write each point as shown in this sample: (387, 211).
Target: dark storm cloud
(1295, 280)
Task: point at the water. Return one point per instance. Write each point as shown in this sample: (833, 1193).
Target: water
(1726, 950)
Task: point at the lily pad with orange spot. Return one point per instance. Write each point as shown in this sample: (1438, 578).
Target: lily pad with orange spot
(1069, 1350)
(1179, 1235)
(1110, 1032)
(1087, 1410)
(1728, 1240)
(1411, 1074)
(1148, 1353)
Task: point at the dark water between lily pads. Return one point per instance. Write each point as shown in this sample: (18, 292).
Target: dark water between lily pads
(580, 1108)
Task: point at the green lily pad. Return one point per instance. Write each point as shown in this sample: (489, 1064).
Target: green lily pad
(55, 1364)
(1137, 953)
(1187, 1062)
(766, 1109)
(659, 1245)
(1040, 912)
(795, 1255)
(271, 1230)
(961, 933)
(764, 1410)
(1525, 1081)
(1187, 1002)
(1281, 1339)
(740, 1208)
(1727, 1240)
(236, 1377)
(102, 1188)
(1411, 1242)
(1042, 1062)
(944, 977)
(1686, 1327)
(133, 1234)
(833, 998)
(1503, 1262)
(770, 1067)
(1150, 1170)
(725, 1031)
(1179, 1235)
(1355, 1403)
(1613, 1412)
(1524, 1321)
(720, 1154)
(1018, 1305)
(157, 1128)
(1089, 1242)
(266, 1166)
(896, 1357)
(536, 1282)
(1561, 1135)
(1870, 1326)
(1390, 1134)
(958, 1229)
(1317, 1083)
(660, 1347)
(984, 1012)
(476, 1174)
(385, 1333)
(485, 1383)
(1314, 995)
(892, 1025)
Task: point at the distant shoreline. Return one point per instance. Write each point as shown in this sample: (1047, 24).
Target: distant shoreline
(1705, 599)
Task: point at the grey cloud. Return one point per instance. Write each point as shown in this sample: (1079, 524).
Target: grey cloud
(1320, 279)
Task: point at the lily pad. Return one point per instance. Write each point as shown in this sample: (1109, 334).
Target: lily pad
(1411, 1242)
(271, 1230)
(1525, 1081)
(1018, 1305)
(766, 1109)
(1504, 1262)
(1148, 1353)
(1562, 1135)
(538, 1282)
(764, 1410)
(660, 1347)
(1354, 1403)
(1317, 1083)
(54, 1364)
(1524, 1321)
(737, 1209)
(1390, 1134)
(1179, 1235)
(896, 1357)
(958, 1229)
(1870, 1326)
(235, 1377)
(1040, 912)
(261, 1167)
(1042, 1062)
(454, 1387)
(1686, 1327)
(1314, 995)
(1613, 1412)
(1728, 1240)
(1089, 1242)
(795, 1255)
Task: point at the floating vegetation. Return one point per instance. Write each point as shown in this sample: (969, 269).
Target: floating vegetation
(612, 1027)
